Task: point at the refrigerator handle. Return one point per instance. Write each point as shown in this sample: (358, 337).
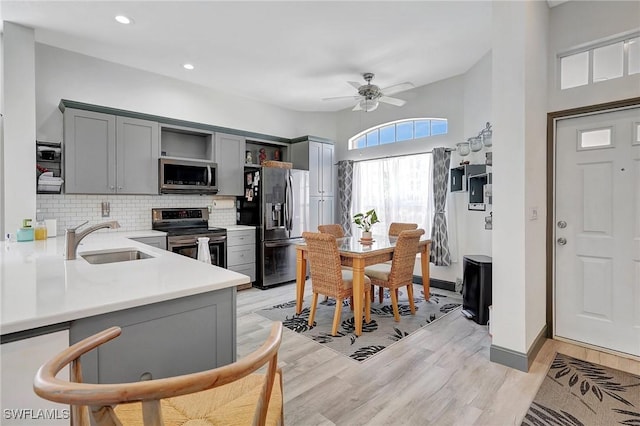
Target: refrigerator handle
(286, 201)
(290, 203)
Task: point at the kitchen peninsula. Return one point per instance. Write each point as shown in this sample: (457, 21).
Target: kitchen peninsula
(177, 314)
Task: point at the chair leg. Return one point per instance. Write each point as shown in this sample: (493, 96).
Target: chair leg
(367, 305)
(314, 302)
(336, 316)
(372, 293)
(351, 302)
(326, 298)
(410, 296)
(394, 304)
(380, 294)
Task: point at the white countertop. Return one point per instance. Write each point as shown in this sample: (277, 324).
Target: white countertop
(40, 287)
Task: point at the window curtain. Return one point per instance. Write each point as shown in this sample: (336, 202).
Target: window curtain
(345, 194)
(440, 255)
(398, 188)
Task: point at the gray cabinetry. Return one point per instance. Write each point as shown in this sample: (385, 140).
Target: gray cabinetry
(318, 158)
(241, 253)
(159, 242)
(230, 157)
(165, 339)
(106, 154)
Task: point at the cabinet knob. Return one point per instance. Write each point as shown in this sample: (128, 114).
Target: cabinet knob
(112, 187)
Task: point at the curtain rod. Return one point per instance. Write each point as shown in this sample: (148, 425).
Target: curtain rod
(398, 155)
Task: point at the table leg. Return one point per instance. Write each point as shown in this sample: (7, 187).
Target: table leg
(358, 292)
(424, 263)
(301, 274)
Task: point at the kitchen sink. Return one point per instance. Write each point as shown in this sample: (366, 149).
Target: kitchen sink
(115, 255)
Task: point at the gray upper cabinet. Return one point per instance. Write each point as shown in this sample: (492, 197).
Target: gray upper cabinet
(230, 156)
(106, 154)
(316, 157)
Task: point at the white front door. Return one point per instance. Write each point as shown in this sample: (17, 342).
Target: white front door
(597, 230)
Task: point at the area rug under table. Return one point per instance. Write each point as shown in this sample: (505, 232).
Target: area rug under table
(576, 392)
(377, 335)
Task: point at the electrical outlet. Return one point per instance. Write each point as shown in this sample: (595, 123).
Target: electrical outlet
(106, 209)
(533, 213)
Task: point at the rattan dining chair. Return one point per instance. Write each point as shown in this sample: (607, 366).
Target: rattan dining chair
(329, 278)
(231, 395)
(400, 272)
(394, 230)
(333, 229)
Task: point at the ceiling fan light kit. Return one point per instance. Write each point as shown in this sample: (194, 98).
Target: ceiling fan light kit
(370, 95)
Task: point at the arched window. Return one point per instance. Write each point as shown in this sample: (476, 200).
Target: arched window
(399, 131)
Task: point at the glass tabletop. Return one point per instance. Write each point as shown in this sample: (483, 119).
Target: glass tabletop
(355, 245)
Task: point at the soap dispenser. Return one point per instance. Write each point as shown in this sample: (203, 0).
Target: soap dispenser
(26, 232)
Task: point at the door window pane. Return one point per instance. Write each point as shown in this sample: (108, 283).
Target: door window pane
(404, 131)
(595, 138)
(574, 70)
(388, 134)
(372, 138)
(422, 128)
(633, 49)
(438, 127)
(608, 62)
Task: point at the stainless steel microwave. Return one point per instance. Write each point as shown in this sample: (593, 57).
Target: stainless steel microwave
(178, 175)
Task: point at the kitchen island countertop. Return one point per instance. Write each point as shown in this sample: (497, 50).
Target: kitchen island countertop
(41, 288)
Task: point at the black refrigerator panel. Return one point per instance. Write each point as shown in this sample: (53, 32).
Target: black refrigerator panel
(248, 205)
(278, 262)
(476, 290)
(274, 189)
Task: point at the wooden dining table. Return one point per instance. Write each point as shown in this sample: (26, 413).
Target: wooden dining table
(357, 255)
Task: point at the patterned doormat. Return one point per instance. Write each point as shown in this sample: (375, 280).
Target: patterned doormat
(577, 392)
(379, 334)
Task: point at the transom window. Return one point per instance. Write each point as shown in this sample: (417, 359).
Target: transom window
(600, 62)
(399, 131)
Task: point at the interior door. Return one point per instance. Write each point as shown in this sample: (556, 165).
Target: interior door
(597, 230)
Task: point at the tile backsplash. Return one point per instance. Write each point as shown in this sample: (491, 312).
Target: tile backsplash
(133, 212)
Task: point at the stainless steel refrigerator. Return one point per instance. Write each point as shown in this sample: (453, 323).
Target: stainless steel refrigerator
(283, 212)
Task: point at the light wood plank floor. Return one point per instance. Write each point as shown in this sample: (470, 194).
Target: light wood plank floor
(437, 376)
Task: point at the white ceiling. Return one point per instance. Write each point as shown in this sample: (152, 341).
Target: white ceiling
(291, 53)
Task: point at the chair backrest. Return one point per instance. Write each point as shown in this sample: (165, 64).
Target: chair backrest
(396, 227)
(100, 398)
(324, 263)
(404, 256)
(333, 229)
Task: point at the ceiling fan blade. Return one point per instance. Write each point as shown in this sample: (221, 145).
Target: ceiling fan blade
(341, 97)
(357, 107)
(354, 84)
(397, 88)
(392, 101)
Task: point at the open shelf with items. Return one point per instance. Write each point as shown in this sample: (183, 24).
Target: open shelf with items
(460, 176)
(273, 151)
(184, 142)
(48, 159)
(479, 191)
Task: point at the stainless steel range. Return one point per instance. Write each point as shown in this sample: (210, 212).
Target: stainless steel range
(185, 226)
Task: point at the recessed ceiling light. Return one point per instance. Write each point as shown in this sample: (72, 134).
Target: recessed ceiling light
(123, 19)
(188, 66)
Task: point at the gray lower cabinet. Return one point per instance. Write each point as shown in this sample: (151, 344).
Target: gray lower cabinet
(230, 156)
(241, 253)
(160, 242)
(170, 338)
(108, 154)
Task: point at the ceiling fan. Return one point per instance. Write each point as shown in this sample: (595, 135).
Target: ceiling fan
(369, 95)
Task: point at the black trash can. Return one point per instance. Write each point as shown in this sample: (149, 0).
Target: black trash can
(476, 290)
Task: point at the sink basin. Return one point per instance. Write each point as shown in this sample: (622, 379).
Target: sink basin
(116, 255)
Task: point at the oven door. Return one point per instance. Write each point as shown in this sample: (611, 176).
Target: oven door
(188, 246)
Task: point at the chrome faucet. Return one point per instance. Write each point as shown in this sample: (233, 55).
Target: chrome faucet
(72, 239)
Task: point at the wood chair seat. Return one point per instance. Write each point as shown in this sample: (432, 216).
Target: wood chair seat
(232, 404)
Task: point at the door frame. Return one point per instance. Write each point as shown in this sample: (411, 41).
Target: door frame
(551, 145)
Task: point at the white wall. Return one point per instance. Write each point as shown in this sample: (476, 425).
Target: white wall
(576, 23)
(19, 126)
(62, 74)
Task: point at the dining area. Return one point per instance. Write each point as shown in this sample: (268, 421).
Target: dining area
(349, 267)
